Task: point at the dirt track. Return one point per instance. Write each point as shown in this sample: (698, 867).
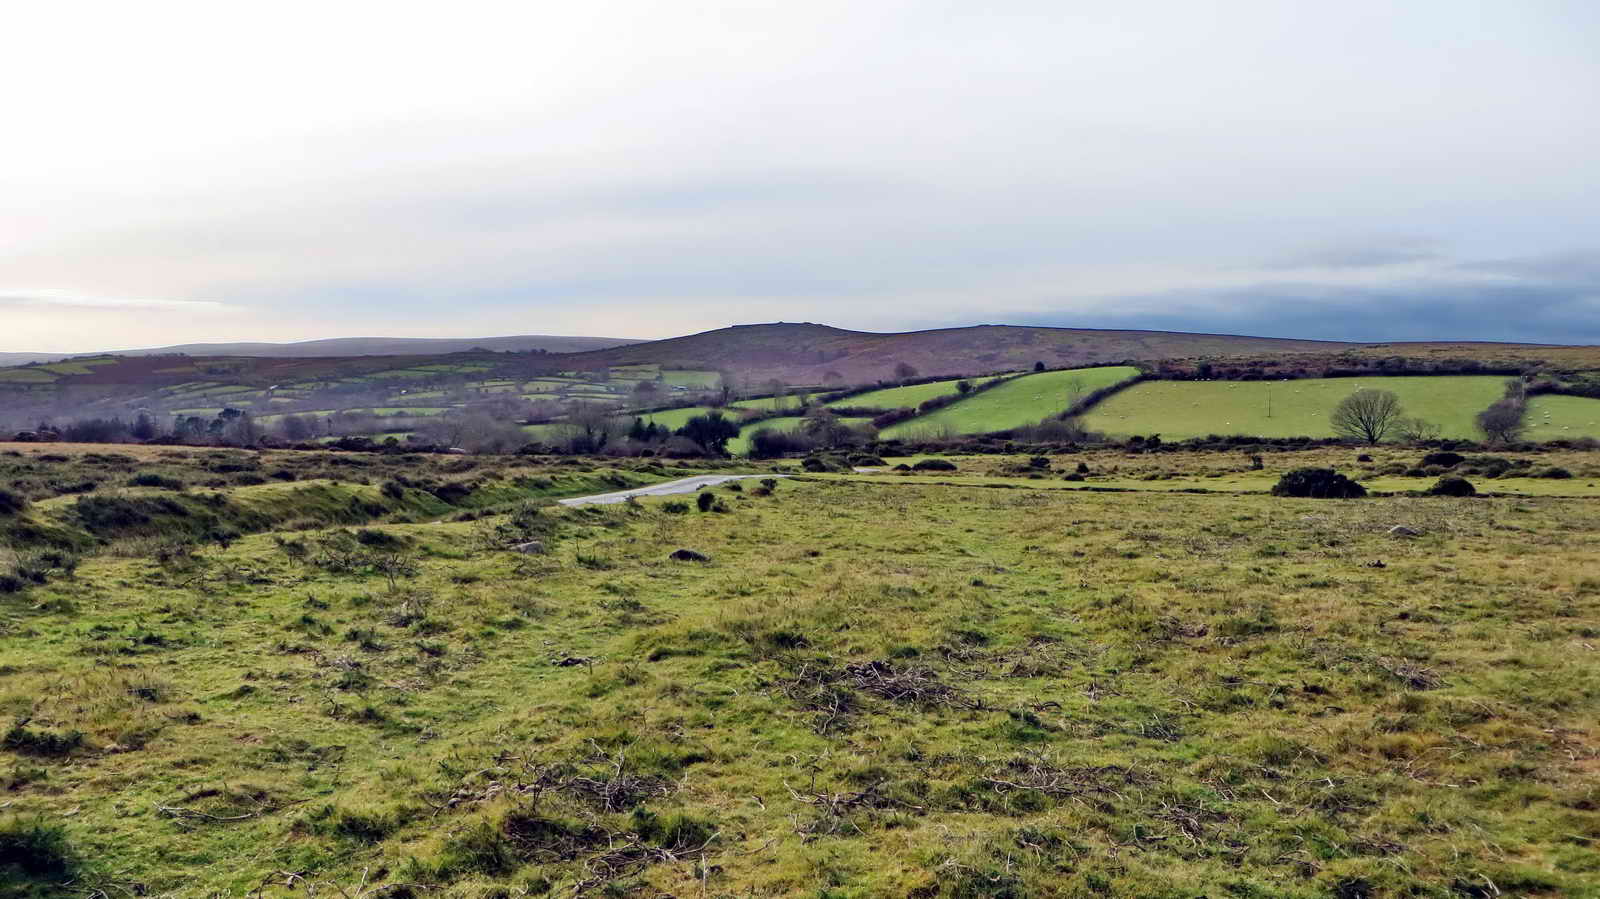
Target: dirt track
(682, 485)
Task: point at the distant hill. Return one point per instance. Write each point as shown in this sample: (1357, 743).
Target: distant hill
(807, 353)
(353, 346)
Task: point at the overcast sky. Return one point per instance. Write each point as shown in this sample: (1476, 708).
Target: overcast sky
(174, 172)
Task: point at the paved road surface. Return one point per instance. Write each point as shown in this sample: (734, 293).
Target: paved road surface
(682, 485)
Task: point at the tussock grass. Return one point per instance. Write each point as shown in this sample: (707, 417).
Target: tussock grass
(1033, 692)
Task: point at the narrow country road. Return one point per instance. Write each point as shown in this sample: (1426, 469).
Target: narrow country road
(682, 485)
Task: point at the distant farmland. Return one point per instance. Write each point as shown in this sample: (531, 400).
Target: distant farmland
(899, 397)
(1023, 401)
(1181, 409)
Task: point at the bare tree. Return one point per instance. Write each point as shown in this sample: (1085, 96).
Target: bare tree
(1502, 422)
(1416, 430)
(1367, 415)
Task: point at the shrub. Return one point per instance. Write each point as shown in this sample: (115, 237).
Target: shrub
(705, 501)
(372, 537)
(1443, 459)
(674, 507)
(35, 848)
(151, 479)
(25, 741)
(934, 465)
(11, 503)
(822, 464)
(1317, 483)
(1555, 473)
(1453, 487)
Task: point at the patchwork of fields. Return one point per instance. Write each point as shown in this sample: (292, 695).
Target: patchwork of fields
(1016, 403)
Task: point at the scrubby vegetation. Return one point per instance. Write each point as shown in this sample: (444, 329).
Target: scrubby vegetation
(893, 683)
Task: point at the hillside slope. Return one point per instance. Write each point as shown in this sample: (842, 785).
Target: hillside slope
(807, 353)
(353, 346)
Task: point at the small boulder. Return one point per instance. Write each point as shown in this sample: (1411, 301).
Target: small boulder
(531, 548)
(1376, 563)
(1401, 530)
(688, 555)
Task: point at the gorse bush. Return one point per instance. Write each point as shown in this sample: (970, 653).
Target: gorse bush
(35, 850)
(1453, 487)
(24, 740)
(151, 479)
(11, 503)
(1317, 483)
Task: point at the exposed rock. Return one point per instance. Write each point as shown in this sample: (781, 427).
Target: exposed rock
(531, 548)
(1401, 530)
(688, 555)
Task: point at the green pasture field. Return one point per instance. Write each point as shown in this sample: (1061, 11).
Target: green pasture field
(399, 373)
(688, 378)
(677, 418)
(26, 376)
(410, 410)
(870, 689)
(1181, 409)
(899, 397)
(202, 411)
(740, 446)
(541, 396)
(77, 366)
(1551, 417)
(769, 403)
(1023, 401)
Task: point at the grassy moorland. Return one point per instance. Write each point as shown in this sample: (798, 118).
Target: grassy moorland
(1182, 409)
(898, 688)
(1022, 401)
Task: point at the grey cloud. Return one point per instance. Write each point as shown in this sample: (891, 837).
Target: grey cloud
(1550, 300)
(1371, 253)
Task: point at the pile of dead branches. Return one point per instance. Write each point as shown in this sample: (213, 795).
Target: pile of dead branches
(630, 855)
(836, 812)
(1037, 771)
(612, 789)
(836, 693)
